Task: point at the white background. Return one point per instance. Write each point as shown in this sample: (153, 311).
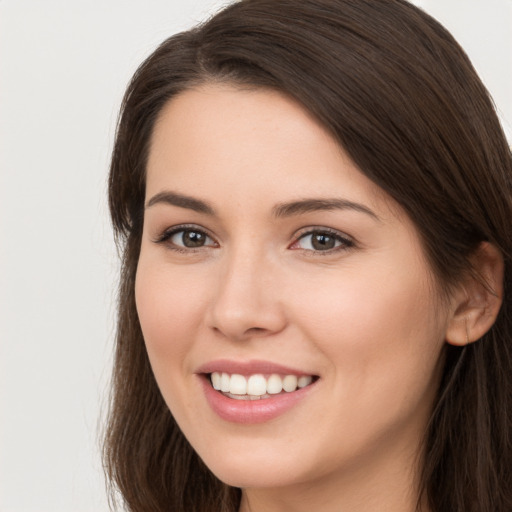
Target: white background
(63, 68)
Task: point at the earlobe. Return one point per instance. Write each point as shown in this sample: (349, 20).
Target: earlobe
(478, 300)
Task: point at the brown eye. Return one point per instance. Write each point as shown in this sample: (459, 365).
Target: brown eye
(190, 239)
(319, 241)
(322, 241)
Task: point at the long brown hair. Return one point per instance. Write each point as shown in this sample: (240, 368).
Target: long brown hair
(401, 97)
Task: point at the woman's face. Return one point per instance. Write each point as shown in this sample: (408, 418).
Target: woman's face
(268, 260)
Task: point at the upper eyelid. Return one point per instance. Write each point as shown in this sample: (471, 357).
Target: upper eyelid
(170, 231)
(346, 241)
(323, 229)
(307, 230)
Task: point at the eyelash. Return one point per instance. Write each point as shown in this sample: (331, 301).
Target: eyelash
(345, 243)
(166, 236)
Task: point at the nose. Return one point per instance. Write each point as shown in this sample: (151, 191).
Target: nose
(246, 302)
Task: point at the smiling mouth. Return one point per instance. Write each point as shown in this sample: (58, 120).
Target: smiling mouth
(258, 386)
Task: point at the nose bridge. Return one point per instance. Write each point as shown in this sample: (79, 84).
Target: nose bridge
(245, 301)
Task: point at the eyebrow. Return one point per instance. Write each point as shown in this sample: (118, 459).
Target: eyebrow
(182, 201)
(313, 205)
(281, 210)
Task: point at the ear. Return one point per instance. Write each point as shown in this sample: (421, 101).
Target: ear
(477, 300)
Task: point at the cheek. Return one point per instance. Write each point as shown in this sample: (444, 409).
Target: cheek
(383, 340)
(170, 306)
(362, 308)
(380, 330)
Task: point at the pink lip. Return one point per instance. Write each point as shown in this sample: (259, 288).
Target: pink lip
(250, 411)
(248, 368)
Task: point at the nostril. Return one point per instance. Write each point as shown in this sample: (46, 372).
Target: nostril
(247, 333)
(256, 330)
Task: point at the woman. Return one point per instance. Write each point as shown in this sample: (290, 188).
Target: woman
(313, 199)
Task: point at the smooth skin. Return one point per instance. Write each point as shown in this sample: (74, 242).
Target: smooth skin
(229, 270)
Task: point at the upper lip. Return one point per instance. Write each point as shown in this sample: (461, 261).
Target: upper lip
(249, 367)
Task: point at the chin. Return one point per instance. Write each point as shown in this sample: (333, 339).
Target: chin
(254, 468)
(245, 477)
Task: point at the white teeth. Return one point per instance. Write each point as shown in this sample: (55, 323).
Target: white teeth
(257, 385)
(274, 384)
(304, 380)
(224, 383)
(238, 385)
(216, 380)
(290, 383)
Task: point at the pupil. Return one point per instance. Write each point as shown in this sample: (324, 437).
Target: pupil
(193, 239)
(323, 242)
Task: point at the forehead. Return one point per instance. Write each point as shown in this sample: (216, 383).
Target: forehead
(255, 139)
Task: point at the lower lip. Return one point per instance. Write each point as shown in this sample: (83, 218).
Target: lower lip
(252, 411)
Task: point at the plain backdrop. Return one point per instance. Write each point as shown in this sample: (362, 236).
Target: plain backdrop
(63, 68)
